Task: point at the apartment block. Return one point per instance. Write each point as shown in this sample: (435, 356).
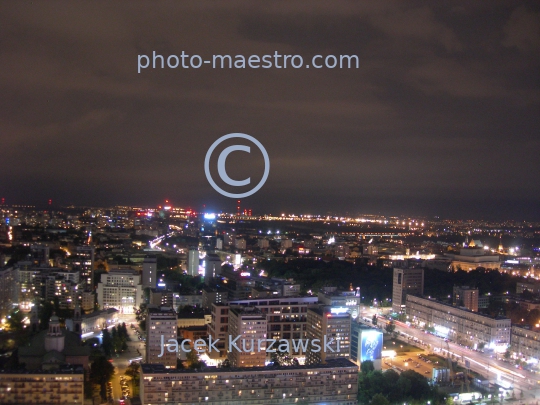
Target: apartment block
(161, 326)
(460, 325)
(329, 329)
(63, 386)
(526, 343)
(247, 327)
(334, 383)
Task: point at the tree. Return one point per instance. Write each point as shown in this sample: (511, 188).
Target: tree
(374, 319)
(367, 367)
(507, 354)
(379, 399)
(281, 358)
(15, 321)
(134, 371)
(101, 372)
(390, 327)
(193, 360)
(107, 342)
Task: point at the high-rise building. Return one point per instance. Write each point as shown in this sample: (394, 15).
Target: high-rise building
(8, 290)
(466, 297)
(406, 281)
(212, 268)
(40, 255)
(366, 344)
(161, 327)
(247, 328)
(213, 296)
(149, 272)
(332, 331)
(84, 261)
(193, 262)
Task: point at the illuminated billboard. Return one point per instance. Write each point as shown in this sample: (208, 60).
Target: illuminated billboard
(372, 344)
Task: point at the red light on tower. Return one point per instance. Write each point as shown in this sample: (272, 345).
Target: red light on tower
(50, 202)
(3, 200)
(238, 208)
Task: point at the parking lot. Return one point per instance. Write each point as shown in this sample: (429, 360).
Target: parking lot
(419, 362)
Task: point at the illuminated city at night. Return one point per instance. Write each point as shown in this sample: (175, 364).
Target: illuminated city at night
(251, 203)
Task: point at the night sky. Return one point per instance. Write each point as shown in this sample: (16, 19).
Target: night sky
(442, 117)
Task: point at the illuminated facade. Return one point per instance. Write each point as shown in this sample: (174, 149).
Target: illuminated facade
(249, 324)
(526, 343)
(64, 386)
(334, 383)
(325, 326)
(406, 281)
(8, 290)
(120, 289)
(460, 325)
(366, 344)
(161, 326)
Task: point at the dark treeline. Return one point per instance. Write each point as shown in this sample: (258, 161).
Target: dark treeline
(376, 281)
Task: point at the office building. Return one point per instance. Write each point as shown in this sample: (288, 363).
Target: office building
(348, 300)
(460, 325)
(212, 268)
(263, 243)
(218, 328)
(406, 281)
(120, 289)
(249, 324)
(149, 272)
(331, 330)
(161, 326)
(366, 344)
(61, 386)
(84, 262)
(286, 316)
(213, 296)
(40, 255)
(333, 383)
(465, 297)
(8, 290)
(193, 262)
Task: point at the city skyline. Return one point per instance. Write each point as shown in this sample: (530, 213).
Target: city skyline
(439, 118)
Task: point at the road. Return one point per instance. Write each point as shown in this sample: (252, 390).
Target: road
(134, 352)
(482, 363)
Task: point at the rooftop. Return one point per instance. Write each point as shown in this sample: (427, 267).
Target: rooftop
(330, 364)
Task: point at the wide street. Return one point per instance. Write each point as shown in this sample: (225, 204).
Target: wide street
(486, 364)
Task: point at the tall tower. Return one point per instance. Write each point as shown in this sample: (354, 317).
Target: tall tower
(149, 272)
(193, 262)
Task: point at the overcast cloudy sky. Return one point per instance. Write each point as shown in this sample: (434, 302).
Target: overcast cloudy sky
(442, 117)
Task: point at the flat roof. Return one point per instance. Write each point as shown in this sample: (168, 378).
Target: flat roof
(330, 364)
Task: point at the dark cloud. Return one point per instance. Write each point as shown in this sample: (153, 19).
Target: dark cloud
(441, 117)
